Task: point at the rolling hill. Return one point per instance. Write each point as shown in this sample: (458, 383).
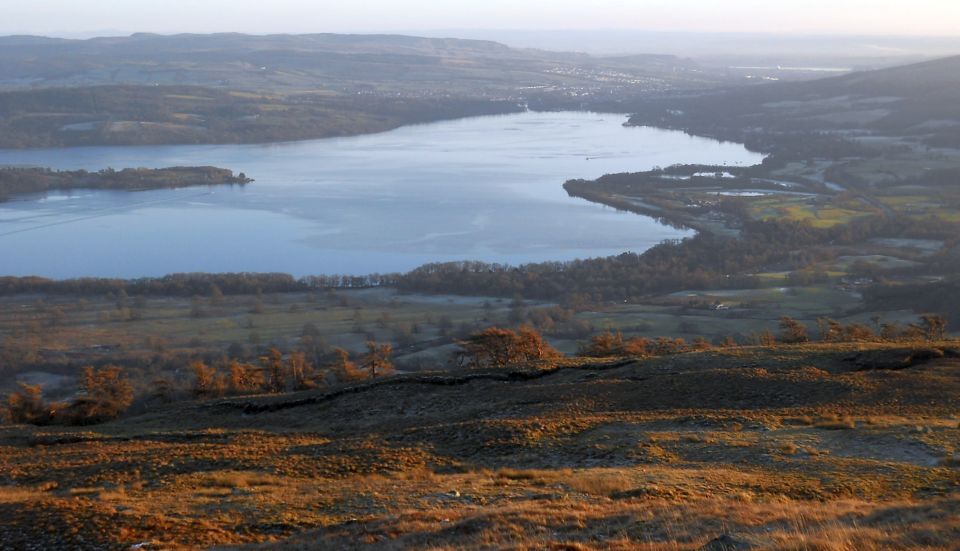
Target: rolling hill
(323, 61)
(914, 101)
(230, 88)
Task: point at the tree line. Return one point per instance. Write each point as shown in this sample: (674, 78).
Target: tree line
(191, 284)
(106, 393)
(277, 373)
(704, 261)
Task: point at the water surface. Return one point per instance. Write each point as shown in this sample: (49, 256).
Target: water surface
(486, 188)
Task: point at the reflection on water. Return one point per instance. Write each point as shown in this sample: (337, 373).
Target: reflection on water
(484, 188)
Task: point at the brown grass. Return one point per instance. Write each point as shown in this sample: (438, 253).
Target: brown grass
(835, 422)
(667, 453)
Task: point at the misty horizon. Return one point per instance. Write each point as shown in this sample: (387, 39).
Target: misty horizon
(456, 32)
(846, 17)
(834, 49)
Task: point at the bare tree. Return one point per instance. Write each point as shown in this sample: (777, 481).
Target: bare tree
(206, 381)
(934, 327)
(792, 331)
(377, 360)
(301, 371)
(343, 368)
(245, 378)
(276, 371)
(26, 405)
(106, 394)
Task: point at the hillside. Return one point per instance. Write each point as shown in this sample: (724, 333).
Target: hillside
(149, 89)
(916, 101)
(152, 115)
(836, 447)
(372, 63)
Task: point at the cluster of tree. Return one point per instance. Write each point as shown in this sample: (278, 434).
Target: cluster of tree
(335, 281)
(496, 347)
(932, 327)
(105, 394)
(16, 181)
(171, 285)
(704, 261)
(277, 373)
(191, 284)
(614, 345)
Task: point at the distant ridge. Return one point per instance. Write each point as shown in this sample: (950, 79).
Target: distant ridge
(918, 100)
(279, 62)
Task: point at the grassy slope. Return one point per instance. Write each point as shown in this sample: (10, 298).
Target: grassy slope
(789, 447)
(141, 115)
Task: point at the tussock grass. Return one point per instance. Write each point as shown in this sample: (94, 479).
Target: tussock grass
(667, 453)
(835, 422)
(236, 479)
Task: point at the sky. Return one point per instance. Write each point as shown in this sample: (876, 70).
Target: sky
(91, 17)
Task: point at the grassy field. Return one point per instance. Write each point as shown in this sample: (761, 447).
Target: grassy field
(790, 208)
(781, 448)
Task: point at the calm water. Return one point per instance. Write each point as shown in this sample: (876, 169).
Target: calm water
(484, 189)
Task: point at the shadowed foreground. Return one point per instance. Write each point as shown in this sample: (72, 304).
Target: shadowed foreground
(815, 447)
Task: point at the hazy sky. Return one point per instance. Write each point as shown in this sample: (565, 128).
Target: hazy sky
(941, 17)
